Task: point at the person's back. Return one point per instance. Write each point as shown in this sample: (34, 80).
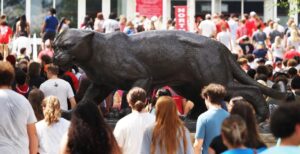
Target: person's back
(51, 23)
(16, 113)
(209, 124)
(59, 88)
(130, 129)
(285, 124)
(208, 28)
(50, 136)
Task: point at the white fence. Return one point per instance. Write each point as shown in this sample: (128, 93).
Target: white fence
(31, 45)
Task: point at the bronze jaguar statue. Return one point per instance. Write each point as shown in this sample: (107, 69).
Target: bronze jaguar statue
(185, 61)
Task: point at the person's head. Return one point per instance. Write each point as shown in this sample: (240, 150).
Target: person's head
(136, 98)
(23, 51)
(52, 70)
(130, 25)
(277, 40)
(252, 14)
(112, 15)
(294, 35)
(88, 132)
(207, 16)
(100, 16)
(295, 83)
(51, 110)
(213, 93)
(45, 59)
(292, 63)
(23, 18)
(20, 77)
(245, 110)
(234, 132)
(3, 20)
(243, 21)
(285, 123)
(163, 92)
(35, 97)
(52, 11)
(12, 60)
(7, 74)
(34, 69)
(168, 123)
(292, 72)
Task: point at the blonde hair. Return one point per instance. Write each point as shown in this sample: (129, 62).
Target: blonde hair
(51, 110)
(167, 126)
(295, 36)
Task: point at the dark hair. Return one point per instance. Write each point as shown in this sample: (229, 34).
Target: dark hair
(53, 69)
(112, 15)
(88, 132)
(46, 59)
(35, 98)
(22, 50)
(284, 120)
(61, 22)
(163, 92)
(12, 60)
(20, 77)
(34, 69)
(292, 72)
(250, 58)
(215, 92)
(261, 77)
(263, 70)
(295, 84)
(246, 111)
(136, 97)
(7, 74)
(140, 28)
(52, 11)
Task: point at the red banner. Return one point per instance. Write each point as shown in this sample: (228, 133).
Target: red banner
(181, 18)
(149, 8)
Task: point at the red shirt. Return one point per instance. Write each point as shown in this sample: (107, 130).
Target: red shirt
(251, 27)
(74, 79)
(5, 33)
(241, 31)
(220, 24)
(291, 54)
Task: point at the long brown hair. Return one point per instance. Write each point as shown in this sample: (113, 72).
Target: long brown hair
(167, 125)
(245, 110)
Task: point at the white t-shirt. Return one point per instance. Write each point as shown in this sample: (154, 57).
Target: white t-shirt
(296, 44)
(98, 25)
(224, 37)
(15, 114)
(278, 51)
(50, 136)
(130, 129)
(110, 25)
(233, 25)
(207, 28)
(59, 88)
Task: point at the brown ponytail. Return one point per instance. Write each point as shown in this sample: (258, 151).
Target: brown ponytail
(136, 97)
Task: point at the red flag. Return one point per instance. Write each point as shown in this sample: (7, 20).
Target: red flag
(149, 8)
(181, 18)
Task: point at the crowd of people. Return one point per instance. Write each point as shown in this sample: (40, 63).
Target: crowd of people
(36, 96)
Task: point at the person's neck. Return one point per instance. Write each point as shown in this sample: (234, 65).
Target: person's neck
(214, 106)
(53, 77)
(5, 87)
(290, 141)
(230, 147)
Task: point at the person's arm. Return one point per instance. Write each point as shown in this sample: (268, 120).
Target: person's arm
(64, 145)
(198, 146)
(211, 151)
(72, 102)
(28, 29)
(33, 139)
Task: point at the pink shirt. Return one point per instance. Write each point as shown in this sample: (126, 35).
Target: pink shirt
(48, 52)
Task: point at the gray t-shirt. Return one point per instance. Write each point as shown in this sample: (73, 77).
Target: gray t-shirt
(15, 114)
(147, 139)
